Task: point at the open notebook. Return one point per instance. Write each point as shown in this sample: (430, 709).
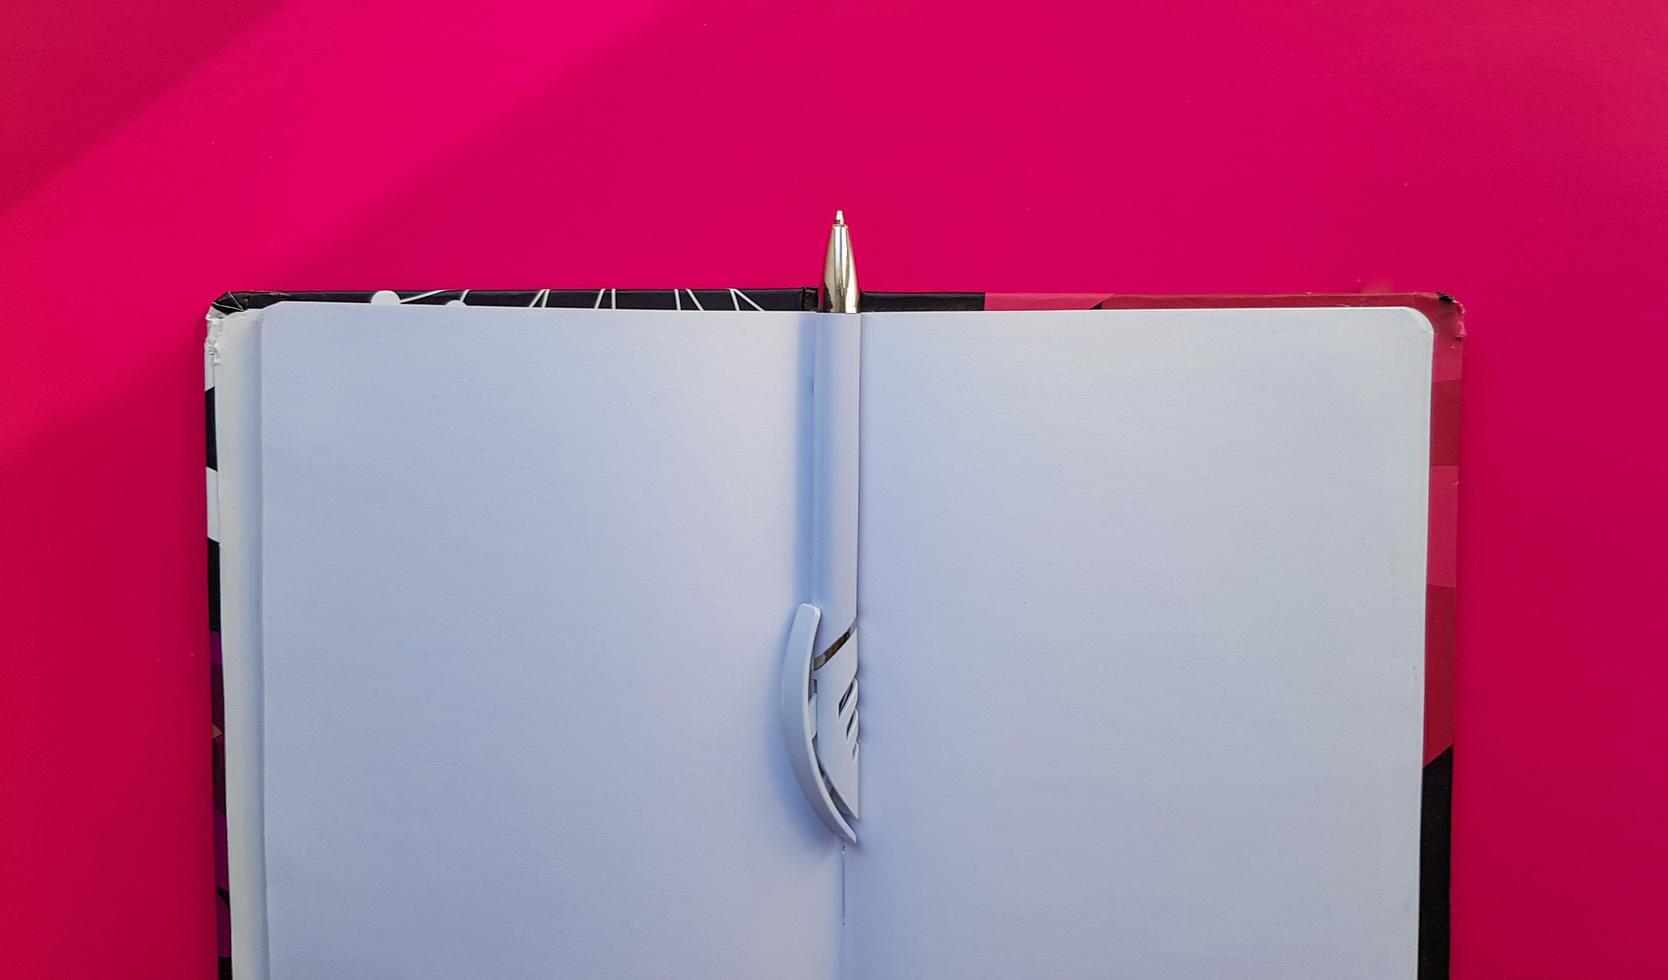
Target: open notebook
(509, 598)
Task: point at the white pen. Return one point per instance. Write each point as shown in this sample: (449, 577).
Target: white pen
(819, 681)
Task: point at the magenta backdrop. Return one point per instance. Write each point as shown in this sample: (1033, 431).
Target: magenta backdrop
(152, 155)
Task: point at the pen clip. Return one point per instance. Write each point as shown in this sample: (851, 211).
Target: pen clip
(800, 711)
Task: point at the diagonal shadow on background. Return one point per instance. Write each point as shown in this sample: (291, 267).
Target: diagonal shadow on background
(70, 72)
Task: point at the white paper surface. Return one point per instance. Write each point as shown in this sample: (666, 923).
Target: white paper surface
(524, 579)
(1141, 597)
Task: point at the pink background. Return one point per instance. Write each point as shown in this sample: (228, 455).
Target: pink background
(153, 155)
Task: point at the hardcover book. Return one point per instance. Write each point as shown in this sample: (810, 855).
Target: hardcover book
(699, 633)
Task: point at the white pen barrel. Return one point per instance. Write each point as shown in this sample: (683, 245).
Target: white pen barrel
(834, 399)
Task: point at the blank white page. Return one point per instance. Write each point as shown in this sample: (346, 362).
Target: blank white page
(1141, 598)
(523, 583)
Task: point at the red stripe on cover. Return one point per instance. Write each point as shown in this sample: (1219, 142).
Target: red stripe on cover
(1042, 301)
(1445, 423)
(1441, 644)
(1441, 556)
